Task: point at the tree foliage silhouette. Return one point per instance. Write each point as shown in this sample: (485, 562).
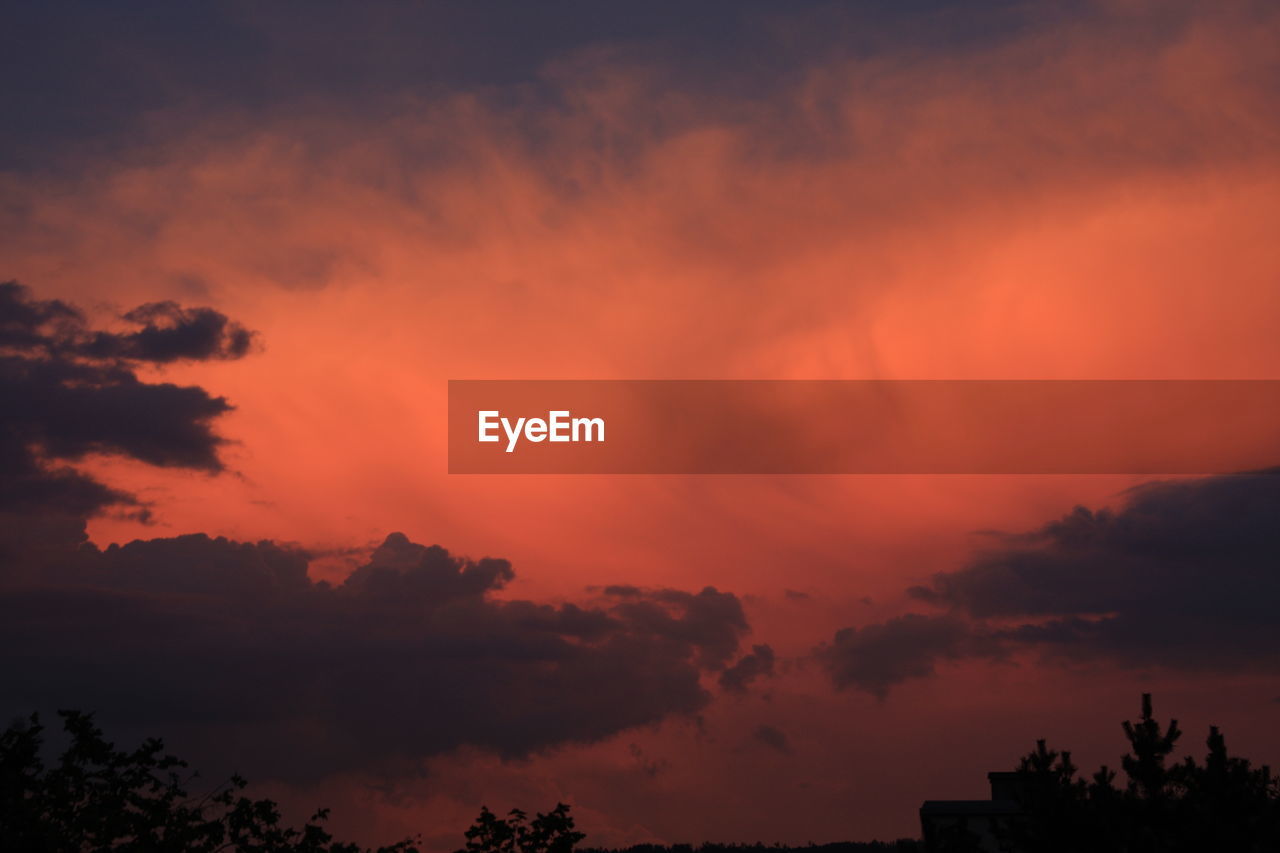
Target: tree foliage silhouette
(99, 798)
(552, 832)
(1224, 804)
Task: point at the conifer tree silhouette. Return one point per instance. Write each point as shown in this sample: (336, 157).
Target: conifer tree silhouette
(1224, 804)
(1150, 747)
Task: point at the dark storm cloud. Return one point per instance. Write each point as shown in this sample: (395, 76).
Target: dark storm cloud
(404, 569)
(712, 621)
(170, 332)
(67, 390)
(881, 655)
(166, 331)
(34, 324)
(756, 664)
(68, 410)
(232, 646)
(772, 737)
(89, 76)
(1186, 575)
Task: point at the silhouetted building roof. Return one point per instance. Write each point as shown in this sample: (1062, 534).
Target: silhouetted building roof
(981, 818)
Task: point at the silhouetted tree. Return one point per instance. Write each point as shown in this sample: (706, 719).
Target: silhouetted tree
(552, 832)
(1223, 805)
(1226, 803)
(902, 845)
(1049, 790)
(97, 798)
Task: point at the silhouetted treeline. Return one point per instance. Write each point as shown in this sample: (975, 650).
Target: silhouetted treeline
(1221, 803)
(96, 798)
(552, 832)
(903, 845)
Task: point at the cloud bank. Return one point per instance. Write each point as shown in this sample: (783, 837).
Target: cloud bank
(231, 643)
(69, 391)
(1182, 576)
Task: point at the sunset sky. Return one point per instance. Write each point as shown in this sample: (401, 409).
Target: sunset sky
(311, 216)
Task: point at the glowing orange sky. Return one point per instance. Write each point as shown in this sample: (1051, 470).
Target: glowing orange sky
(1075, 204)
